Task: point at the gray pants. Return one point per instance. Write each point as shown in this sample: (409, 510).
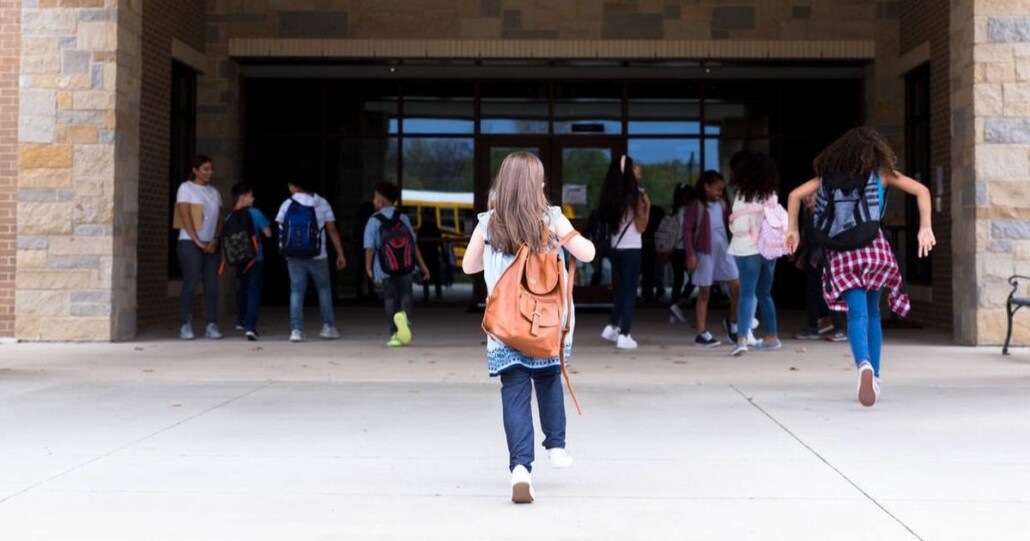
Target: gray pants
(198, 266)
(397, 288)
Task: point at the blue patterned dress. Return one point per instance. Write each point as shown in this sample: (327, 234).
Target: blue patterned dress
(500, 357)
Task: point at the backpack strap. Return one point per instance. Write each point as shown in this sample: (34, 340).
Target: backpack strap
(567, 327)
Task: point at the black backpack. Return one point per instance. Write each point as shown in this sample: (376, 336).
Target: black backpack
(239, 240)
(848, 212)
(396, 245)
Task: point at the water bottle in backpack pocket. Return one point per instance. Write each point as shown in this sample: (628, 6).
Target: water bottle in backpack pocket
(848, 211)
(300, 236)
(396, 245)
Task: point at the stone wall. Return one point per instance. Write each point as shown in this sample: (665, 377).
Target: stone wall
(990, 102)
(10, 39)
(163, 22)
(78, 170)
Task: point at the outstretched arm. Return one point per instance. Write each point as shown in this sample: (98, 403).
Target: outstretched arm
(922, 193)
(794, 208)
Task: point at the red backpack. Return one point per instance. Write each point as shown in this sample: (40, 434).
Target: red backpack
(396, 245)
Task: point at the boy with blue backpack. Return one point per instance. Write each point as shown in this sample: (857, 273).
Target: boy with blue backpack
(391, 255)
(304, 219)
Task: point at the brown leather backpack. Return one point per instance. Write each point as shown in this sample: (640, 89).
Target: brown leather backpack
(525, 309)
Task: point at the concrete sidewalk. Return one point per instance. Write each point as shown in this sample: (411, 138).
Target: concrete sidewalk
(159, 439)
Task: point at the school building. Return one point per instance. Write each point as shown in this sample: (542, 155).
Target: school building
(103, 102)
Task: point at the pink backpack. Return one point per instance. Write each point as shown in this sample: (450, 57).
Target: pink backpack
(772, 233)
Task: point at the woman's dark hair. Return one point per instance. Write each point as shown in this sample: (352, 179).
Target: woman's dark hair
(859, 152)
(708, 178)
(756, 177)
(198, 161)
(620, 192)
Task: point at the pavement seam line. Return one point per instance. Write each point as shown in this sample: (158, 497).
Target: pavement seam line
(140, 440)
(825, 461)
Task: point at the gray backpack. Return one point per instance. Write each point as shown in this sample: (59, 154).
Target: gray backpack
(848, 212)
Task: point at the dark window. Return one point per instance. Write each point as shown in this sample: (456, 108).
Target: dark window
(917, 163)
(182, 146)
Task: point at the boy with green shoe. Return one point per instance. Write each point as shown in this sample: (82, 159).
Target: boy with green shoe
(391, 254)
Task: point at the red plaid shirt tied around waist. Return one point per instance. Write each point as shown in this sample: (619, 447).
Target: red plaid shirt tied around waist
(870, 268)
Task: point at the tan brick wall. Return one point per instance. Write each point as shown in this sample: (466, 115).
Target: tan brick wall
(10, 39)
(162, 22)
(928, 21)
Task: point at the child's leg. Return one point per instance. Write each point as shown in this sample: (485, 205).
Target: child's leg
(516, 391)
(254, 278)
(765, 300)
(406, 284)
(390, 295)
(298, 288)
(704, 293)
(242, 294)
(734, 299)
(875, 329)
(858, 324)
(749, 269)
(551, 404)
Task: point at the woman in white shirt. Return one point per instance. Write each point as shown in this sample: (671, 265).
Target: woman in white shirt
(198, 206)
(625, 208)
(756, 180)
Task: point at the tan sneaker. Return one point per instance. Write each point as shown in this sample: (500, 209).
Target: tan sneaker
(867, 387)
(521, 485)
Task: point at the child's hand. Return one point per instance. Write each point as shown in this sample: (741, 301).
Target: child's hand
(341, 262)
(425, 273)
(926, 241)
(692, 263)
(791, 242)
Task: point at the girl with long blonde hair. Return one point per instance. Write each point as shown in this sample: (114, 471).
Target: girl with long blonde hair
(519, 214)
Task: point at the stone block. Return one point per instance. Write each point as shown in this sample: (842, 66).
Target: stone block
(52, 280)
(93, 210)
(63, 82)
(40, 218)
(801, 12)
(94, 100)
(94, 296)
(40, 64)
(32, 259)
(40, 303)
(70, 245)
(27, 328)
(44, 156)
(1013, 193)
(48, 22)
(1000, 72)
(993, 53)
(74, 262)
(1017, 99)
(90, 310)
(1007, 131)
(733, 17)
(94, 161)
(988, 99)
(97, 14)
(1010, 229)
(1023, 69)
(30, 242)
(45, 178)
(37, 194)
(97, 36)
(76, 329)
(303, 24)
(93, 230)
(75, 62)
(36, 129)
(489, 8)
(633, 26)
(1002, 162)
(1008, 29)
(37, 102)
(82, 134)
(40, 45)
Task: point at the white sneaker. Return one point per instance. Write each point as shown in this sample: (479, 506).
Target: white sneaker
(610, 333)
(329, 333)
(186, 332)
(677, 312)
(521, 485)
(559, 457)
(626, 341)
(240, 328)
(751, 340)
(754, 323)
(867, 387)
(296, 336)
(212, 332)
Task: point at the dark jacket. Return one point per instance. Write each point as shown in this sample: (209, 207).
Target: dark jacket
(704, 239)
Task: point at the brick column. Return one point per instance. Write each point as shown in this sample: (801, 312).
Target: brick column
(10, 37)
(78, 170)
(990, 103)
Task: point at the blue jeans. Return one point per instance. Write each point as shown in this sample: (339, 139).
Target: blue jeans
(864, 331)
(626, 264)
(756, 280)
(198, 267)
(517, 385)
(319, 271)
(248, 296)
(397, 297)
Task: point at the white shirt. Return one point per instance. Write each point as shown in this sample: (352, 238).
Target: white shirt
(744, 243)
(323, 213)
(195, 194)
(632, 239)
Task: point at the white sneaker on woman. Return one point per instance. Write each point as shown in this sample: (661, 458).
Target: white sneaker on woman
(868, 388)
(521, 485)
(626, 341)
(610, 333)
(559, 457)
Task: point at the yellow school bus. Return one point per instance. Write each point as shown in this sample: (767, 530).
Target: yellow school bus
(454, 213)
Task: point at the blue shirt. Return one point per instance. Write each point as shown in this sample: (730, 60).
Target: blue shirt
(260, 224)
(372, 239)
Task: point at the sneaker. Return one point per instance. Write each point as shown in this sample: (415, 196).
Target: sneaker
(610, 333)
(731, 330)
(400, 319)
(825, 325)
(521, 485)
(186, 332)
(212, 332)
(296, 336)
(394, 342)
(738, 350)
(677, 313)
(252, 336)
(751, 340)
(559, 457)
(837, 336)
(771, 346)
(867, 387)
(240, 327)
(329, 333)
(808, 334)
(706, 340)
(625, 341)
(755, 323)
